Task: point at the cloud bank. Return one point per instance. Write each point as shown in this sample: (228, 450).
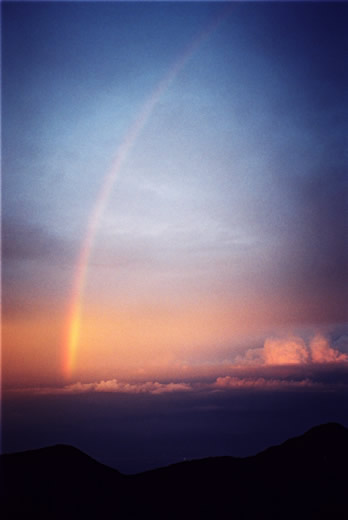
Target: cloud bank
(229, 382)
(114, 386)
(282, 364)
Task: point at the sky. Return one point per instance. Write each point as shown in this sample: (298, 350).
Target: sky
(174, 223)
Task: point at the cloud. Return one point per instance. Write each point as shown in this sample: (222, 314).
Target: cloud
(289, 351)
(293, 350)
(252, 356)
(342, 343)
(229, 382)
(112, 385)
(316, 376)
(322, 352)
(283, 364)
(157, 388)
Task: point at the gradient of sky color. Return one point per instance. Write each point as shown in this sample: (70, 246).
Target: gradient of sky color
(226, 224)
(214, 318)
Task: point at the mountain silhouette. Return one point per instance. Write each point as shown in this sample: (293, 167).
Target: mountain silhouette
(304, 478)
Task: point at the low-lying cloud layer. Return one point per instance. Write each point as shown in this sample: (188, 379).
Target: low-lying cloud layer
(151, 387)
(229, 382)
(225, 383)
(114, 386)
(281, 364)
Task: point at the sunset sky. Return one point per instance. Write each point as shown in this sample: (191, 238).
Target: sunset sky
(174, 207)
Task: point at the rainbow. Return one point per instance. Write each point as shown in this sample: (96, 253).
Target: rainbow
(72, 336)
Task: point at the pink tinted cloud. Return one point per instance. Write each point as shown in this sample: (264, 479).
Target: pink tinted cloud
(151, 387)
(288, 351)
(229, 382)
(112, 385)
(281, 364)
(157, 388)
(292, 350)
(322, 352)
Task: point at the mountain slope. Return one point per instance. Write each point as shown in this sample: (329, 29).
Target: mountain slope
(51, 481)
(305, 477)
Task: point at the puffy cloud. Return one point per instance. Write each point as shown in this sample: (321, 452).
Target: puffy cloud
(287, 351)
(293, 350)
(281, 364)
(342, 343)
(112, 385)
(252, 381)
(310, 376)
(322, 352)
(253, 356)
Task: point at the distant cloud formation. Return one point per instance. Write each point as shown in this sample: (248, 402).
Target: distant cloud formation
(223, 383)
(322, 352)
(293, 351)
(287, 351)
(282, 364)
(228, 382)
(133, 388)
(150, 387)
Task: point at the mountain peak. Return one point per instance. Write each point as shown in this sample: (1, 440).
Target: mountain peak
(303, 478)
(330, 427)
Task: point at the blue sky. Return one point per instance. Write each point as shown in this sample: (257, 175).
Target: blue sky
(231, 203)
(214, 316)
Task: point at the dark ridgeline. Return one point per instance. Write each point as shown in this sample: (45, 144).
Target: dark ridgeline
(304, 478)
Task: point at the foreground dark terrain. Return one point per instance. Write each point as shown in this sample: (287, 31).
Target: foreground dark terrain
(306, 477)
